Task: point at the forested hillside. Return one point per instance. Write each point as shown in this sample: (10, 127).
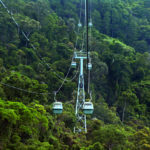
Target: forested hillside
(127, 20)
(32, 68)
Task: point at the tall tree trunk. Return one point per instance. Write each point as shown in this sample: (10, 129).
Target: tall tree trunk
(110, 147)
(124, 109)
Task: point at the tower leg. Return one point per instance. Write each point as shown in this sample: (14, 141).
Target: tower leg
(80, 117)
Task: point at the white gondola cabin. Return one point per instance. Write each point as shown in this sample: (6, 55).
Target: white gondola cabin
(79, 25)
(88, 108)
(89, 66)
(73, 64)
(57, 107)
(90, 24)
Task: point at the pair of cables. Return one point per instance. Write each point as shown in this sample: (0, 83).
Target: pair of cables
(41, 58)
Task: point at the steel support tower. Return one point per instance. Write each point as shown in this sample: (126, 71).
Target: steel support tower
(81, 118)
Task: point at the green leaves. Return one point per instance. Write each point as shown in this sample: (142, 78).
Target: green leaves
(142, 139)
(23, 82)
(30, 123)
(9, 115)
(111, 137)
(27, 24)
(106, 114)
(120, 75)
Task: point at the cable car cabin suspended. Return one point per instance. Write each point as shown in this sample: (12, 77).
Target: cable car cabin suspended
(57, 107)
(89, 66)
(73, 64)
(88, 108)
(90, 24)
(79, 25)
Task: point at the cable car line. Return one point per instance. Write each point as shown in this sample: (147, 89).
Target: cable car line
(87, 38)
(84, 28)
(87, 31)
(90, 35)
(81, 2)
(20, 89)
(64, 79)
(26, 91)
(79, 23)
(83, 107)
(57, 106)
(23, 33)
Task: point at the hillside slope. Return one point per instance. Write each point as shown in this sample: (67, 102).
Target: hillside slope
(120, 80)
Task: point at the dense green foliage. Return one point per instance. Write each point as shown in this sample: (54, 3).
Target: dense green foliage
(127, 20)
(120, 45)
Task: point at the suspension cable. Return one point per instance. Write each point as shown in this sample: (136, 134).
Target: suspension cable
(90, 39)
(64, 80)
(90, 10)
(23, 33)
(26, 91)
(55, 92)
(83, 33)
(87, 39)
(78, 30)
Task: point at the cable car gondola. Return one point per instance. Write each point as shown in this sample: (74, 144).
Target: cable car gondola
(88, 108)
(57, 107)
(90, 24)
(89, 66)
(73, 64)
(79, 25)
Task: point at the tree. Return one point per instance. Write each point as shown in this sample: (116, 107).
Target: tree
(129, 102)
(141, 139)
(112, 137)
(27, 24)
(25, 83)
